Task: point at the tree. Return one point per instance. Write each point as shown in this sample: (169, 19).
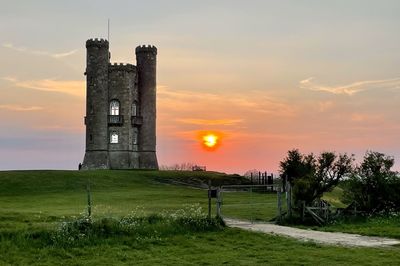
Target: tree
(295, 166)
(311, 176)
(249, 173)
(374, 187)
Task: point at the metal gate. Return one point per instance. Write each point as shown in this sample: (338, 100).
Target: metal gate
(249, 202)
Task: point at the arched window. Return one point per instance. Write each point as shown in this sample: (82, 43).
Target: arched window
(114, 107)
(114, 137)
(135, 109)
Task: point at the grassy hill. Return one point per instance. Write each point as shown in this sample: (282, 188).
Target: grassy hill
(30, 199)
(34, 203)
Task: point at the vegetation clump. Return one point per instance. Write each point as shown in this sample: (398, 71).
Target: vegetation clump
(311, 176)
(369, 189)
(374, 188)
(137, 226)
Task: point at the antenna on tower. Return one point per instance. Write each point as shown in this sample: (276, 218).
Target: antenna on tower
(108, 30)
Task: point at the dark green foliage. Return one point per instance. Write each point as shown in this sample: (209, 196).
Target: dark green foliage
(310, 176)
(296, 165)
(374, 187)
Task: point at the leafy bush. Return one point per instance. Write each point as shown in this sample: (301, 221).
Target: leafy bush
(374, 188)
(310, 176)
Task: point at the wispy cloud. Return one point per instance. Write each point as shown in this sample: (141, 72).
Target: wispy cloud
(251, 102)
(59, 128)
(360, 117)
(167, 92)
(210, 122)
(263, 104)
(325, 105)
(38, 52)
(71, 87)
(20, 108)
(352, 88)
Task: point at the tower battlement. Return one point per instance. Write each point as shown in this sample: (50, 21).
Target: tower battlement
(121, 67)
(146, 49)
(97, 43)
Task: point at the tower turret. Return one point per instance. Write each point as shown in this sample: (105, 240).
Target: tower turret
(146, 60)
(97, 61)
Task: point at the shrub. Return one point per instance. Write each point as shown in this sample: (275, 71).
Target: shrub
(310, 176)
(374, 188)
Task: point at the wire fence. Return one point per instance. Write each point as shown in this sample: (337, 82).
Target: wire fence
(249, 202)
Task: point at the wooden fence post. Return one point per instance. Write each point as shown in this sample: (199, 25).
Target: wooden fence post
(266, 178)
(209, 199)
(89, 200)
(251, 200)
(219, 201)
(289, 199)
(279, 205)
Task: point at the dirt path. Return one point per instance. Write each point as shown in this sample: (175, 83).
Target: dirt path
(329, 238)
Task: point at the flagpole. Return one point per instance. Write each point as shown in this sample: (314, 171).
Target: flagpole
(108, 30)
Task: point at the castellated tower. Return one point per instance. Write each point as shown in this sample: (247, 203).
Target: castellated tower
(146, 69)
(120, 109)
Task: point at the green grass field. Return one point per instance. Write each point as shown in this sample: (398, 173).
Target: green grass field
(33, 203)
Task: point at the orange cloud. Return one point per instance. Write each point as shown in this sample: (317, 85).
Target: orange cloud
(358, 117)
(70, 87)
(198, 102)
(210, 122)
(187, 116)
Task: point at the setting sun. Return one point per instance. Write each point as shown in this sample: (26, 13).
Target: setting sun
(210, 140)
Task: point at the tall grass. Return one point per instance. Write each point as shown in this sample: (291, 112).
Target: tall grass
(137, 226)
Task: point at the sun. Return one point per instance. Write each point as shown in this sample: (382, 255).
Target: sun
(210, 140)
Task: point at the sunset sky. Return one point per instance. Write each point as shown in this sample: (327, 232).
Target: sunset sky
(267, 76)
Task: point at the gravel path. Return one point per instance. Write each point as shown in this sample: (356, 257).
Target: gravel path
(329, 238)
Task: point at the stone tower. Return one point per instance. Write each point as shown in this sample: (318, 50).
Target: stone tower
(146, 69)
(120, 109)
